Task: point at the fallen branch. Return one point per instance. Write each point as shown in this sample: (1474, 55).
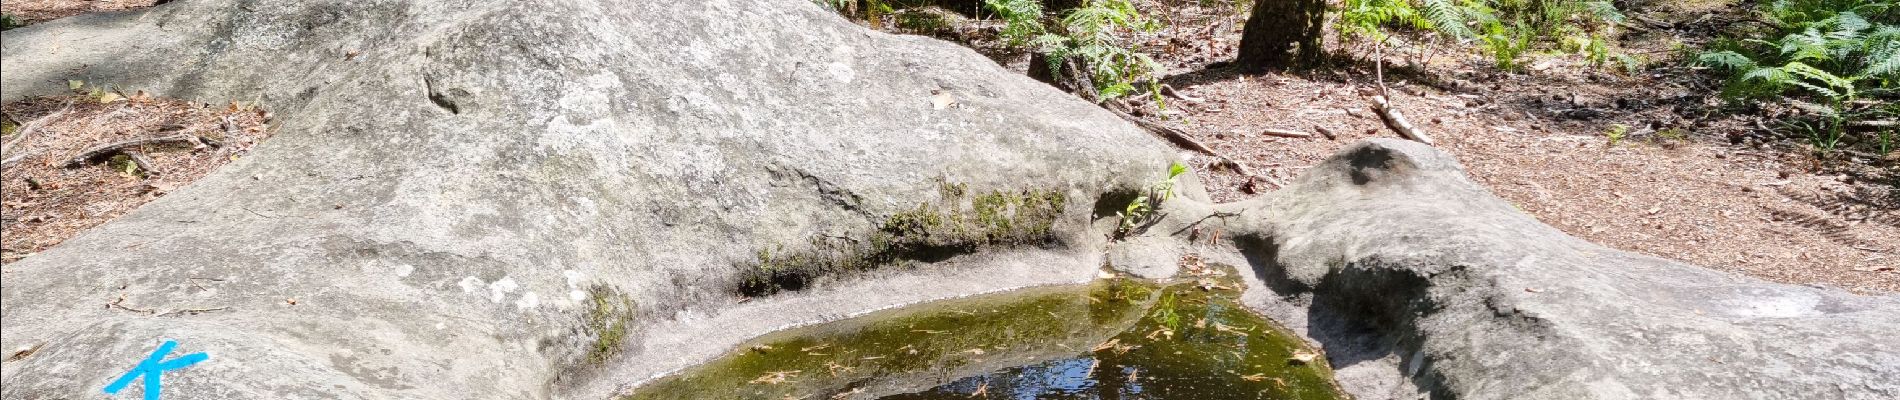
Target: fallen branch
(1169, 90)
(1175, 136)
(106, 150)
(1182, 139)
(144, 163)
(192, 311)
(1393, 119)
(1876, 124)
(1286, 133)
(121, 299)
(15, 158)
(1328, 133)
(27, 130)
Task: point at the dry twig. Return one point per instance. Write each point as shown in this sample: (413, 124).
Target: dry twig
(1328, 133)
(26, 130)
(1286, 133)
(106, 150)
(1393, 119)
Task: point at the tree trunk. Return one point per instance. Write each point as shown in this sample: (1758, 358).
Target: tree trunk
(1281, 34)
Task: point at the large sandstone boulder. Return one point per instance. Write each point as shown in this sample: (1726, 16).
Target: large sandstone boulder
(483, 199)
(499, 199)
(1420, 283)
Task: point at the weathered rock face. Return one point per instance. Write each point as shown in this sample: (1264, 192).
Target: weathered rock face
(1395, 261)
(482, 199)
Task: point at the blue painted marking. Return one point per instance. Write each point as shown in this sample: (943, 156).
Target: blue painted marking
(154, 366)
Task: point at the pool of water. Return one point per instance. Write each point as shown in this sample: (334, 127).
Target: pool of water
(1112, 339)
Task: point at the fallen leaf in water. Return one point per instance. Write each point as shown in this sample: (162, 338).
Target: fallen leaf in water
(1303, 357)
(834, 367)
(1169, 333)
(1254, 377)
(776, 377)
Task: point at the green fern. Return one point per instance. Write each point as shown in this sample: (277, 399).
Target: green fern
(1821, 57)
(1087, 32)
(1504, 29)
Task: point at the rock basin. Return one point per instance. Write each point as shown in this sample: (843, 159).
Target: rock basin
(1111, 338)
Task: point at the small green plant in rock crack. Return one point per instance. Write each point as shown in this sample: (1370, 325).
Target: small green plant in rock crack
(1141, 210)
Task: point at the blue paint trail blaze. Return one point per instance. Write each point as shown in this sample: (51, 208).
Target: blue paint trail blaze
(154, 366)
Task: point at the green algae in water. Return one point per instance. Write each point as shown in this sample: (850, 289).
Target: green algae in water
(1111, 339)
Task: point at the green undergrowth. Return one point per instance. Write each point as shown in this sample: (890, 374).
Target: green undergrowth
(1836, 63)
(959, 222)
(1505, 30)
(8, 22)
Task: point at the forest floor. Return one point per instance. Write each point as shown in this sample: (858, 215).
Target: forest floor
(1686, 180)
(32, 11)
(52, 194)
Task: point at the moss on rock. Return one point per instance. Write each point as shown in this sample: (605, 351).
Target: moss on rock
(957, 223)
(609, 321)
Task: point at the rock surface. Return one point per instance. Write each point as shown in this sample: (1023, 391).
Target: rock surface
(481, 199)
(1148, 257)
(1390, 257)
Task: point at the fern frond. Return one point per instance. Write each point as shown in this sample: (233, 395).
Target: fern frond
(1797, 68)
(1807, 45)
(1884, 67)
(1604, 10)
(1726, 60)
(1445, 18)
(1847, 26)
